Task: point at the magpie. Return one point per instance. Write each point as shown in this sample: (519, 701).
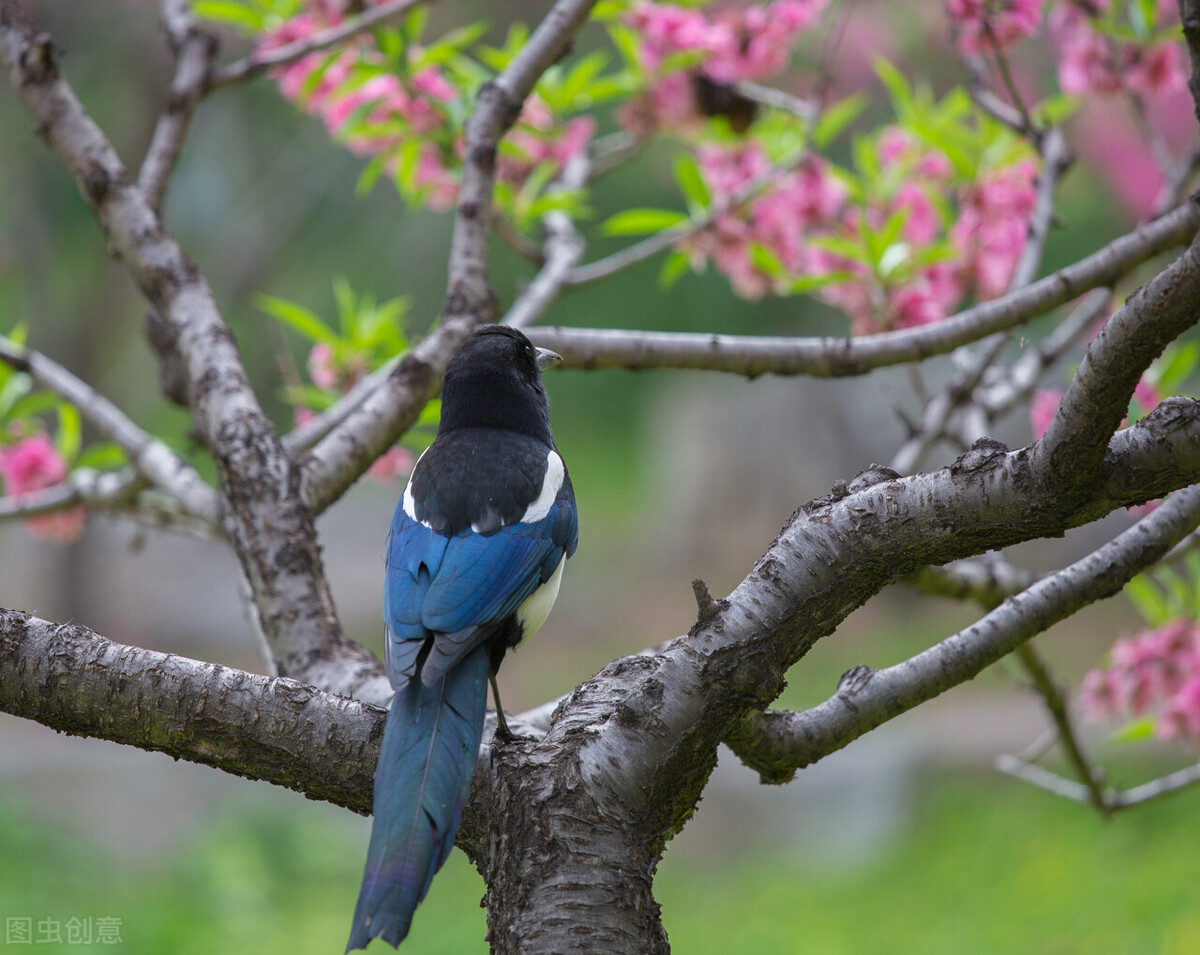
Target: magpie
(475, 555)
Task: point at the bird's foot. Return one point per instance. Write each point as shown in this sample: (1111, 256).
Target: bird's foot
(504, 736)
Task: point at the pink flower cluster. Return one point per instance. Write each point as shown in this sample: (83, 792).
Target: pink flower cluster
(380, 114)
(536, 138)
(31, 464)
(993, 223)
(1091, 62)
(806, 199)
(751, 43)
(804, 221)
(1157, 668)
(986, 26)
(330, 375)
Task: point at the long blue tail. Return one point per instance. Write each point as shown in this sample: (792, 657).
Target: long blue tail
(429, 747)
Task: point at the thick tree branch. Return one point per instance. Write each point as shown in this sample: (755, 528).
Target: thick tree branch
(1098, 396)
(274, 729)
(834, 357)
(1189, 15)
(777, 743)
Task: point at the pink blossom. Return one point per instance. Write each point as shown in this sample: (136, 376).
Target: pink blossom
(395, 462)
(33, 463)
(1042, 410)
(754, 44)
(1100, 694)
(1086, 60)
(430, 82)
(1157, 70)
(992, 226)
(1146, 395)
(665, 29)
(922, 224)
(438, 183)
(982, 26)
(1180, 716)
(1150, 667)
(322, 366)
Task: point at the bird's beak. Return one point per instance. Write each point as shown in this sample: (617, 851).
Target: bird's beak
(546, 358)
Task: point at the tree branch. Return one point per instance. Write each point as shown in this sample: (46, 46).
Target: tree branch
(269, 526)
(833, 357)
(274, 729)
(777, 742)
(261, 61)
(150, 456)
(562, 250)
(1098, 396)
(194, 51)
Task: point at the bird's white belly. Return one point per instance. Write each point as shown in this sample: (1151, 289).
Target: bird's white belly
(536, 608)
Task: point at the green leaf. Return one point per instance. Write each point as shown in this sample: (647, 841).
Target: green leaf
(450, 45)
(13, 390)
(414, 24)
(642, 221)
(897, 86)
(308, 396)
(1055, 110)
(674, 266)
(578, 82)
(33, 403)
(105, 456)
(70, 431)
(229, 11)
(810, 283)
(691, 184)
(370, 174)
(851, 249)
(1135, 731)
(298, 318)
(834, 119)
(1172, 371)
(1149, 600)
(766, 261)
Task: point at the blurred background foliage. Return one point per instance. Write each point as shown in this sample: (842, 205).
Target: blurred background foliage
(905, 842)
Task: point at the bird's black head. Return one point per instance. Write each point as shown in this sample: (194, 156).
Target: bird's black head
(495, 381)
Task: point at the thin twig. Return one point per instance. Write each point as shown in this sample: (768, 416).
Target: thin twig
(149, 455)
(194, 52)
(829, 357)
(1114, 799)
(258, 62)
(563, 249)
(661, 241)
(1056, 705)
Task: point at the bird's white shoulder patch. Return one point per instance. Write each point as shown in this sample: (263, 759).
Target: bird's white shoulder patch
(407, 502)
(551, 485)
